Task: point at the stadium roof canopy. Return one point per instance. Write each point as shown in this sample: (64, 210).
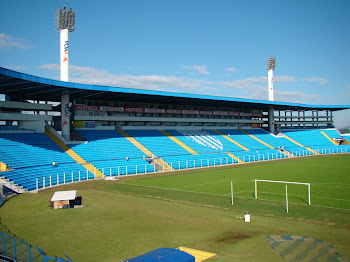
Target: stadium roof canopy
(20, 86)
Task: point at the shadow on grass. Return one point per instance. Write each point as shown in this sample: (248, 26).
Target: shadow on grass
(280, 198)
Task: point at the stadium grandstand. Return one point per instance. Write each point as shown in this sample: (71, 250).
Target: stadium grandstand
(55, 132)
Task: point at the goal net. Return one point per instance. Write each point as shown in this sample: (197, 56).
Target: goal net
(286, 183)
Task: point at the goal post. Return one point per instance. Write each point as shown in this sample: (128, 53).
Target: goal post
(283, 182)
(231, 193)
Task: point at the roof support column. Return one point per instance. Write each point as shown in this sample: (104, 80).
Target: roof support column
(271, 120)
(65, 116)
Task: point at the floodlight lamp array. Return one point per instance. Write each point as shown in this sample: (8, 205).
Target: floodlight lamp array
(271, 63)
(65, 19)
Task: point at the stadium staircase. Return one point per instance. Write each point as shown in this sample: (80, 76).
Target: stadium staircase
(231, 140)
(234, 142)
(298, 144)
(345, 142)
(330, 139)
(88, 166)
(4, 167)
(234, 157)
(11, 185)
(264, 143)
(157, 162)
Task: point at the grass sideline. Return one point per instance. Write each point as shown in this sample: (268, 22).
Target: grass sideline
(138, 214)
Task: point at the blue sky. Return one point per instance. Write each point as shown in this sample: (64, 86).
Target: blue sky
(216, 47)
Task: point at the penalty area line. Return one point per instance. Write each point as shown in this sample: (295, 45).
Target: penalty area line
(179, 190)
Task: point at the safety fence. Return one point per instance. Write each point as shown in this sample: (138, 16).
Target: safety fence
(18, 250)
(60, 179)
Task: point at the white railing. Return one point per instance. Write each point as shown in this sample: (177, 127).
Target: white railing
(61, 179)
(73, 177)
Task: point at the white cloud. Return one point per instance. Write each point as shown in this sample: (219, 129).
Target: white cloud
(55, 67)
(253, 87)
(295, 96)
(198, 68)
(89, 75)
(248, 83)
(285, 96)
(230, 69)
(13, 67)
(320, 80)
(283, 79)
(256, 82)
(7, 41)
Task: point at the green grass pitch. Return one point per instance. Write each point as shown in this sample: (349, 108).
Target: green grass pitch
(191, 208)
(328, 176)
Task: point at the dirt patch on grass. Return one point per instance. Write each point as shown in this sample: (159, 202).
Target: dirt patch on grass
(231, 237)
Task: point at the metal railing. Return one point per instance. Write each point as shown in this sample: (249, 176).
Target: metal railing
(12, 250)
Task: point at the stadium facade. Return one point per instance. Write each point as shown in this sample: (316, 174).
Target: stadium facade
(93, 106)
(55, 132)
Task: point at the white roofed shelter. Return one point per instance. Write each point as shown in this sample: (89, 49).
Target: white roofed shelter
(61, 198)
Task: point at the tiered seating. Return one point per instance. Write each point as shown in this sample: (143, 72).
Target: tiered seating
(112, 153)
(199, 140)
(310, 138)
(276, 142)
(209, 142)
(171, 152)
(31, 156)
(332, 133)
(256, 148)
(314, 139)
(157, 143)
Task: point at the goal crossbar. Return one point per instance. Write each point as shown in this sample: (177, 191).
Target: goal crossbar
(282, 182)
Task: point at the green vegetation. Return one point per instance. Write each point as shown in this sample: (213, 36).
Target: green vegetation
(191, 208)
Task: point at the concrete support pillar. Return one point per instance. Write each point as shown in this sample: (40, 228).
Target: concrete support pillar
(65, 116)
(271, 120)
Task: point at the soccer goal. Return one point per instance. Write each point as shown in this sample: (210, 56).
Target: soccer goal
(286, 183)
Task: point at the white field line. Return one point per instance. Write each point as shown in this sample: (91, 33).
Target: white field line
(175, 189)
(339, 199)
(331, 185)
(241, 192)
(229, 194)
(348, 209)
(294, 195)
(216, 182)
(289, 164)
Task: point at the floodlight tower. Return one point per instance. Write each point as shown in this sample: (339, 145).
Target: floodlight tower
(271, 64)
(65, 23)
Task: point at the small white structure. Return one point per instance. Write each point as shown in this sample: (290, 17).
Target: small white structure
(247, 217)
(61, 199)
